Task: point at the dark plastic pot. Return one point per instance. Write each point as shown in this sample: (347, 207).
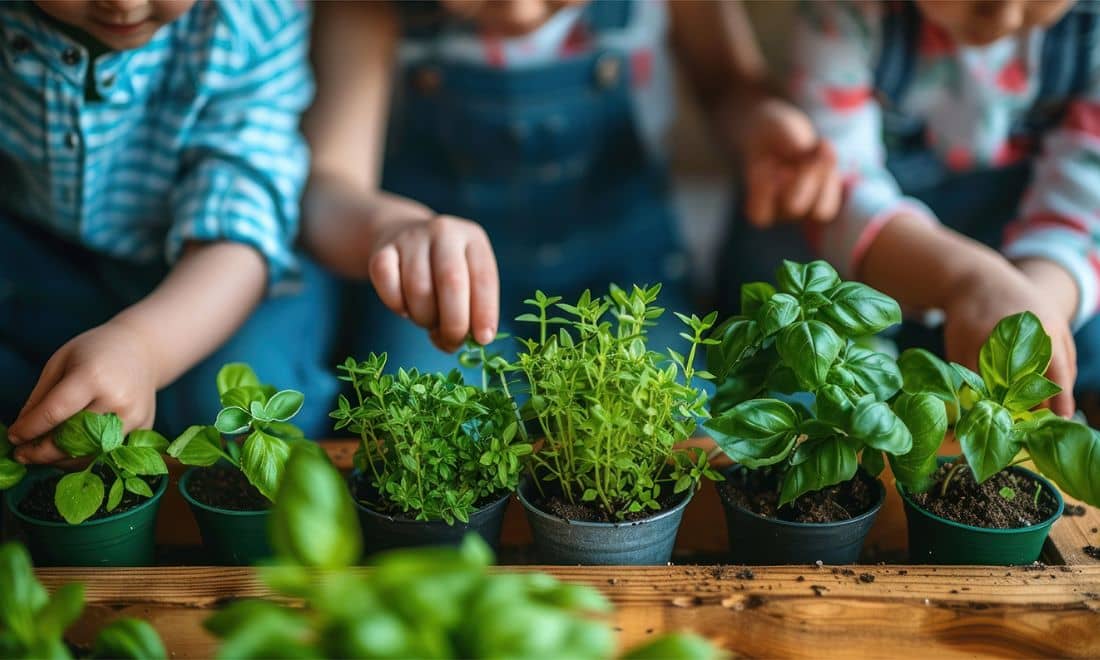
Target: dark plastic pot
(232, 538)
(124, 539)
(936, 540)
(755, 539)
(385, 532)
(645, 542)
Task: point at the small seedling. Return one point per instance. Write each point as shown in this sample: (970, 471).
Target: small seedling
(1007, 493)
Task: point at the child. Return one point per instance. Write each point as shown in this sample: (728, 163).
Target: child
(967, 133)
(538, 125)
(151, 167)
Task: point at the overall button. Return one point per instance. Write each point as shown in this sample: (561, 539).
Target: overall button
(72, 140)
(71, 56)
(608, 69)
(428, 80)
(20, 44)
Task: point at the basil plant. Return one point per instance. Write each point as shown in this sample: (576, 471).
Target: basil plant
(807, 336)
(993, 414)
(256, 418)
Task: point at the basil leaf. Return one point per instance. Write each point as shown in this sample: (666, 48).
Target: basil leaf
(63, 609)
(745, 381)
(777, 312)
(834, 406)
(798, 279)
(756, 433)
(926, 417)
(138, 487)
(242, 397)
(871, 461)
(263, 459)
(753, 297)
(830, 462)
(234, 375)
(147, 438)
(1029, 391)
(875, 373)
(284, 405)
(985, 433)
(1068, 454)
(737, 336)
(129, 639)
(21, 596)
(11, 473)
(810, 348)
(858, 310)
(877, 426)
(233, 420)
(80, 434)
(199, 446)
(139, 460)
(78, 496)
(1018, 346)
(924, 373)
(114, 496)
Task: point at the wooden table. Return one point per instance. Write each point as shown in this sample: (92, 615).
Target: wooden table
(869, 610)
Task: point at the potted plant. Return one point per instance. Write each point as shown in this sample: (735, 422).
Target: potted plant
(801, 405)
(32, 622)
(609, 483)
(982, 507)
(100, 515)
(417, 603)
(237, 464)
(437, 458)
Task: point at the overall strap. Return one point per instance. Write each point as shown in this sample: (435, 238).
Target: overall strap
(901, 22)
(608, 15)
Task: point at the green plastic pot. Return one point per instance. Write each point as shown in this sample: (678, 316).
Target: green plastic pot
(936, 540)
(123, 539)
(231, 538)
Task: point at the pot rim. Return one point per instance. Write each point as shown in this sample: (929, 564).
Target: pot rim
(186, 478)
(1047, 522)
(660, 515)
(114, 517)
(869, 513)
(355, 474)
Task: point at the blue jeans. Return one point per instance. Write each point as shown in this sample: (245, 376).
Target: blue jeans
(51, 291)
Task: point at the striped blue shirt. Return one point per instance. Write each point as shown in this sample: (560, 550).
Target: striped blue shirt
(195, 139)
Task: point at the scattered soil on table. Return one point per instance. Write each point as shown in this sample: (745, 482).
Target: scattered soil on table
(39, 504)
(226, 489)
(758, 491)
(1092, 551)
(1072, 510)
(555, 503)
(982, 505)
(866, 578)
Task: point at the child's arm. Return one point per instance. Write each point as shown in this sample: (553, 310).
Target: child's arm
(789, 173)
(439, 271)
(235, 214)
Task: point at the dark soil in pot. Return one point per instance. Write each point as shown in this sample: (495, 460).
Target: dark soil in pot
(555, 502)
(758, 491)
(982, 505)
(226, 488)
(39, 500)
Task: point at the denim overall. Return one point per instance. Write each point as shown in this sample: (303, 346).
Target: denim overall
(549, 161)
(52, 290)
(978, 204)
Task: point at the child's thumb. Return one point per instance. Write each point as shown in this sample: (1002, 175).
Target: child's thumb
(793, 135)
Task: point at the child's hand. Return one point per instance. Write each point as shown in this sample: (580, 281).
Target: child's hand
(106, 369)
(442, 274)
(790, 172)
(984, 299)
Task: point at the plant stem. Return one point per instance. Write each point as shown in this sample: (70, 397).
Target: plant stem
(955, 469)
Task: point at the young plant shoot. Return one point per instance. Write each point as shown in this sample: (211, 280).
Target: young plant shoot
(611, 410)
(806, 335)
(994, 416)
(432, 447)
(256, 420)
(98, 439)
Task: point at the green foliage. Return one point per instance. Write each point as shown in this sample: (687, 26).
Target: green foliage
(256, 419)
(805, 336)
(11, 471)
(417, 603)
(610, 409)
(433, 447)
(33, 622)
(995, 417)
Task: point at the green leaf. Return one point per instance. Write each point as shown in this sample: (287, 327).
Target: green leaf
(745, 381)
(756, 433)
(78, 496)
(859, 311)
(681, 646)
(778, 312)
(234, 420)
(834, 406)
(871, 461)
(138, 487)
(148, 438)
(736, 337)
(81, 434)
(1029, 391)
(1007, 493)
(924, 373)
(875, 373)
(198, 446)
(1018, 346)
(63, 609)
(234, 375)
(314, 522)
(753, 297)
(985, 433)
(11, 473)
(263, 459)
(21, 596)
(877, 426)
(284, 405)
(258, 411)
(139, 460)
(829, 462)
(114, 496)
(798, 279)
(809, 348)
(970, 379)
(1068, 454)
(242, 397)
(926, 417)
(129, 639)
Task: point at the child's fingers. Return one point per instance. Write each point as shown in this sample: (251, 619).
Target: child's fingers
(69, 397)
(484, 290)
(40, 452)
(1063, 371)
(760, 194)
(416, 280)
(385, 275)
(799, 197)
(51, 373)
(452, 291)
(828, 199)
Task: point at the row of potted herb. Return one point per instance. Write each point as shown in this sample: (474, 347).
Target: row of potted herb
(808, 410)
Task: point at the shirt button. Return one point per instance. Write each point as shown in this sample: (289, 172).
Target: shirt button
(20, 44)
(72, 140)
(71, 56)
(608, 68)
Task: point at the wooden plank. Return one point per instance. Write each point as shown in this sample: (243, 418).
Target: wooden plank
(793, 611)
(1073, 534)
